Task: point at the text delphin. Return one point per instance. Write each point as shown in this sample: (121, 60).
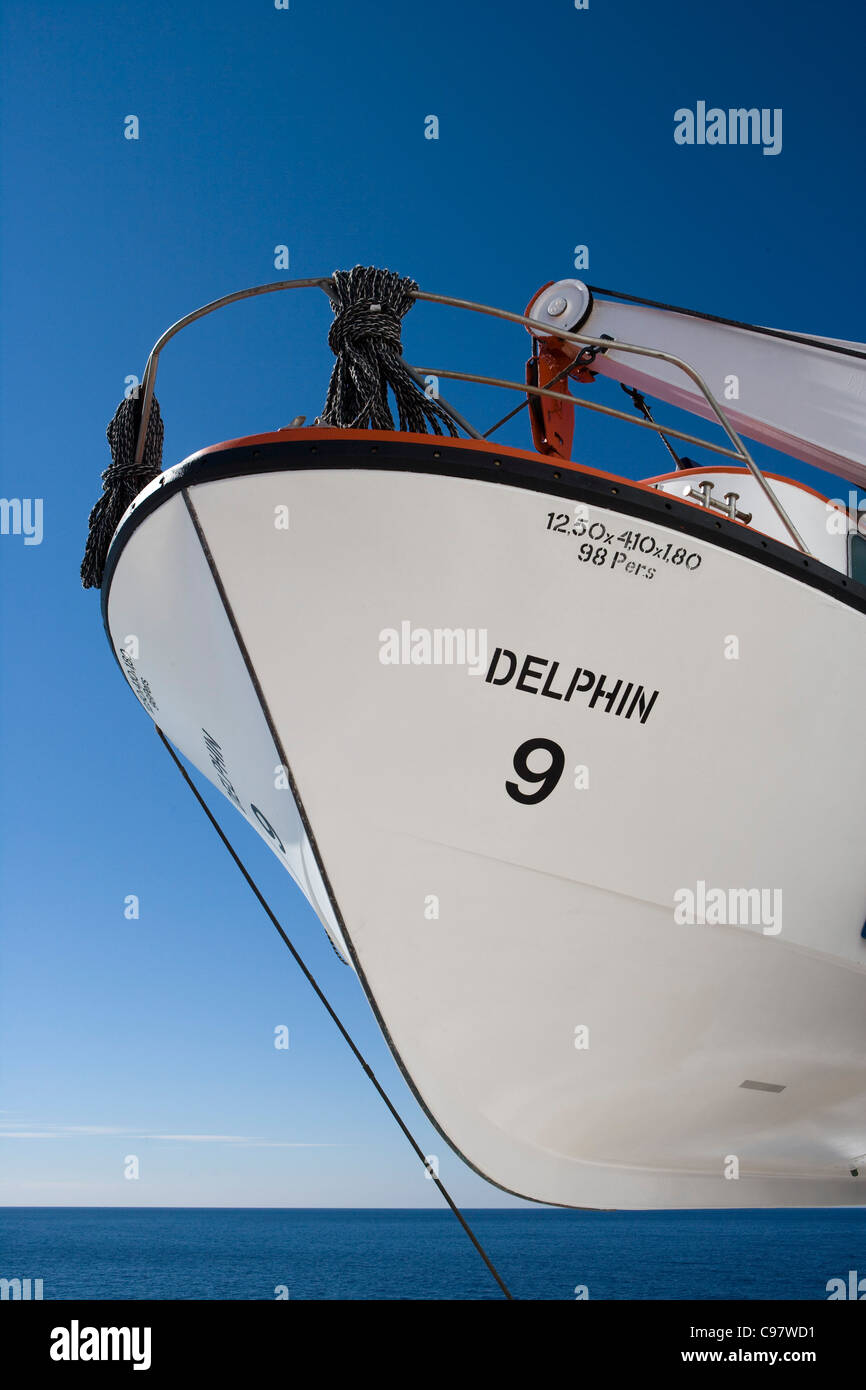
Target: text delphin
(613, 696)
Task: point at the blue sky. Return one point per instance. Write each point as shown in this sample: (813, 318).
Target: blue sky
(305, 127)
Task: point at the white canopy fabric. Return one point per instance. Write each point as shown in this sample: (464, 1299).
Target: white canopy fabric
(807, 398)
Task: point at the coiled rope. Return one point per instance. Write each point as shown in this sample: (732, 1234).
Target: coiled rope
(122, 480)
(369, 306)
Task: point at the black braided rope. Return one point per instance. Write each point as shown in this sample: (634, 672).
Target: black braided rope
(122, 481)
(369, 305)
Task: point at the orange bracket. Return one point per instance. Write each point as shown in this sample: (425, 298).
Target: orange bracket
(552, 421)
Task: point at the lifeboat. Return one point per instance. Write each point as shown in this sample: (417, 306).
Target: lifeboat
(567, 762)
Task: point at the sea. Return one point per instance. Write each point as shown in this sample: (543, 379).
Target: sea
(543, 1253)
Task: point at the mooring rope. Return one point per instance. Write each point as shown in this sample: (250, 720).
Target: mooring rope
(347, 1037)
(122, 480)
(369, 306)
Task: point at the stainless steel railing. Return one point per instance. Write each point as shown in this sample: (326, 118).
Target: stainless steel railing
(738, 452)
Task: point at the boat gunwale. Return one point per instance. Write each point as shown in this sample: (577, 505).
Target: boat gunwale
(481, 461)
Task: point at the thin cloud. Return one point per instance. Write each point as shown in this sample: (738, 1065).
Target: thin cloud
(9, 1130)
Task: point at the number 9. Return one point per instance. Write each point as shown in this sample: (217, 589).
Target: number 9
(547, 779)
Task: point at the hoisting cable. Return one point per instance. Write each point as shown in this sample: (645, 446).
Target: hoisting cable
(640, 404)
(311, 980)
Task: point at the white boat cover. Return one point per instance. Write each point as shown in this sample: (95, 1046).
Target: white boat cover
(801, 394)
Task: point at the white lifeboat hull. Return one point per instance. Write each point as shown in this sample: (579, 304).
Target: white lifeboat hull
(578, 988)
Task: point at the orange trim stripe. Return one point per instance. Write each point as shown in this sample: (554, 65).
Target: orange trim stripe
(556, 465)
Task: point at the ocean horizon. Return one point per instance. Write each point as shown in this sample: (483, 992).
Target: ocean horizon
(249, 1253)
